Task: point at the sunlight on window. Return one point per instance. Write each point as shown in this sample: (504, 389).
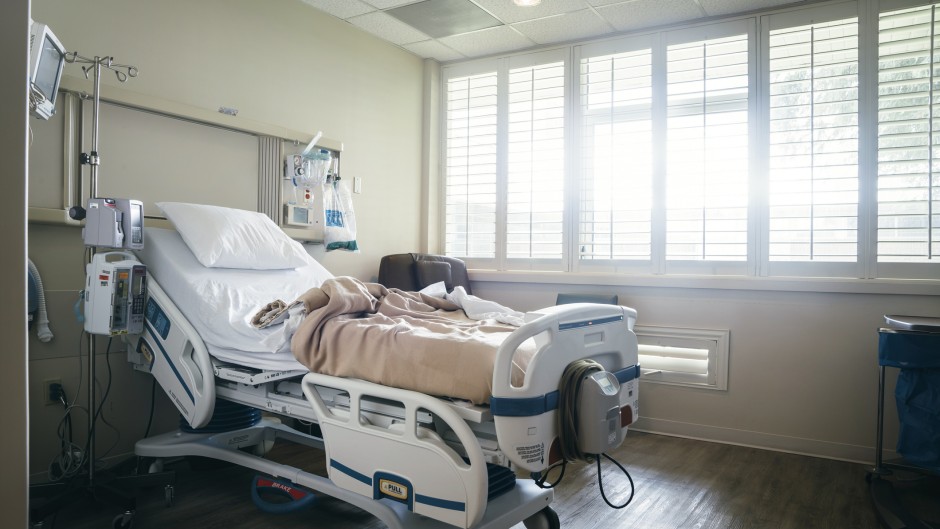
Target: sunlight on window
(908, 183)
(707, 150)
(470, 171)
(617, 159)
(536, 151)
(814, 142)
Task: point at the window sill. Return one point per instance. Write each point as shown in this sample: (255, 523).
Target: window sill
(920, 287)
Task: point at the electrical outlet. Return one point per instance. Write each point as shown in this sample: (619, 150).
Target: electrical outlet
(51, 389)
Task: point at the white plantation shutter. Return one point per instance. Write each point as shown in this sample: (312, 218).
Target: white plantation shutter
(707, 150)
(813, 142)
(616, 181)
(470, 166)
(908, 136)
(535, 181)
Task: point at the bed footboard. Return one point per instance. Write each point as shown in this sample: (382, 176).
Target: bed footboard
(525, 415)
(404, 462)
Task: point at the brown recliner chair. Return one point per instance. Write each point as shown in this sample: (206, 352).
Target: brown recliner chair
(414, 271)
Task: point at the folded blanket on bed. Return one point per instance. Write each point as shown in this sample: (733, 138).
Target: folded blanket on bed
(401, 339)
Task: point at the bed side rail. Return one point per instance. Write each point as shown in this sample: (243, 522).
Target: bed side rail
(171, 350)
(406, 463)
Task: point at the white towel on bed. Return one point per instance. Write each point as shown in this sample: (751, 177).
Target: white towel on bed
(474, 307)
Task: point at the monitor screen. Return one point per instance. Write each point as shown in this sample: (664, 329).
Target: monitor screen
(49, 69)
(46, 60)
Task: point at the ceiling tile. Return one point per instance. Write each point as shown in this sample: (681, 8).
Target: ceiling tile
(570, 26)
(509, 12)
(341, 8)
(596, 3)
(488, 41)
(388, 28)
(385, 4)
(728, 7)
(432, 49)
(648, 13)
(440, 18)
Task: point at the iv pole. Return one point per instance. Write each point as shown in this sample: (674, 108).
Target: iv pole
(122, 72)
(100, 488)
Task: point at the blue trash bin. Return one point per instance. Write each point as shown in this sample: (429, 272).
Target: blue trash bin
(913, 346)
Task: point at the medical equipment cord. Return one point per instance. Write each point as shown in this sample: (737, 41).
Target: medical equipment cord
(68, 463)
(569, 391)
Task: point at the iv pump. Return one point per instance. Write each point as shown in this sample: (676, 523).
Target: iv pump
(115, 294)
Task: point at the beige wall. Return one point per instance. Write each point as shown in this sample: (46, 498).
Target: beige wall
(278, 62)
(13, 443)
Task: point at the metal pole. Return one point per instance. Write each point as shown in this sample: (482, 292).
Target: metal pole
(93, 192)
(879, 438)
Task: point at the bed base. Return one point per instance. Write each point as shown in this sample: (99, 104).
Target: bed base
(524, 501)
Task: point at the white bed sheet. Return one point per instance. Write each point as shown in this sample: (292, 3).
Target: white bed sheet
(219, 302)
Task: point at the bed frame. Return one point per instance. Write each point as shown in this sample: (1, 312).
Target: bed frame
(373, 435)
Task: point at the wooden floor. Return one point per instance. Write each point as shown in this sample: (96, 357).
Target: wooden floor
(680, 483)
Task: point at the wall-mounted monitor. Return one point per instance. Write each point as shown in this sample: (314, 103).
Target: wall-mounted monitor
(46, 59)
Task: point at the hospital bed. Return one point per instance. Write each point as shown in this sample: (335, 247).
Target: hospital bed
(408, 458)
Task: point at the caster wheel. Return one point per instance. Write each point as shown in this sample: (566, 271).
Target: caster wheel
(123, 521)
(261, 449)
(168, 494)
(155, 467)
(544, 519)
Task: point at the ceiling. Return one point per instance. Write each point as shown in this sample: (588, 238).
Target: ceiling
(448, 30)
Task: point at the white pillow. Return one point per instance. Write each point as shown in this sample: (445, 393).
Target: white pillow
(234, 238)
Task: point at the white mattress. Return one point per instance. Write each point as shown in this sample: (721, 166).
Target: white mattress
(219, 302)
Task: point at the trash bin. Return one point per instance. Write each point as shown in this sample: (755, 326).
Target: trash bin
(913, 345)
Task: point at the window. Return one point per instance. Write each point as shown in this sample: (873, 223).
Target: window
(748, 147)
(504, 163)
(616, 106)
(536, 149)
(470, 170)
(678, 140)
(813, 122)
(908, 225)
(707, 149)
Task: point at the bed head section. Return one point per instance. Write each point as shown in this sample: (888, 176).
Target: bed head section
(414, 271)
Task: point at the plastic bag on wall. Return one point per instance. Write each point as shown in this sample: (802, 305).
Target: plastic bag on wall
(339, 227)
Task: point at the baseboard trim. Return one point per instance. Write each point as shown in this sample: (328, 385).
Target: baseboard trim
(780, 443)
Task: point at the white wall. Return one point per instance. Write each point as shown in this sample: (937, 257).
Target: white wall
(14, 29)
(278, 62)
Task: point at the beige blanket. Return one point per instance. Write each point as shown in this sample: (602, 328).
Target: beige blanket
(400, 339)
